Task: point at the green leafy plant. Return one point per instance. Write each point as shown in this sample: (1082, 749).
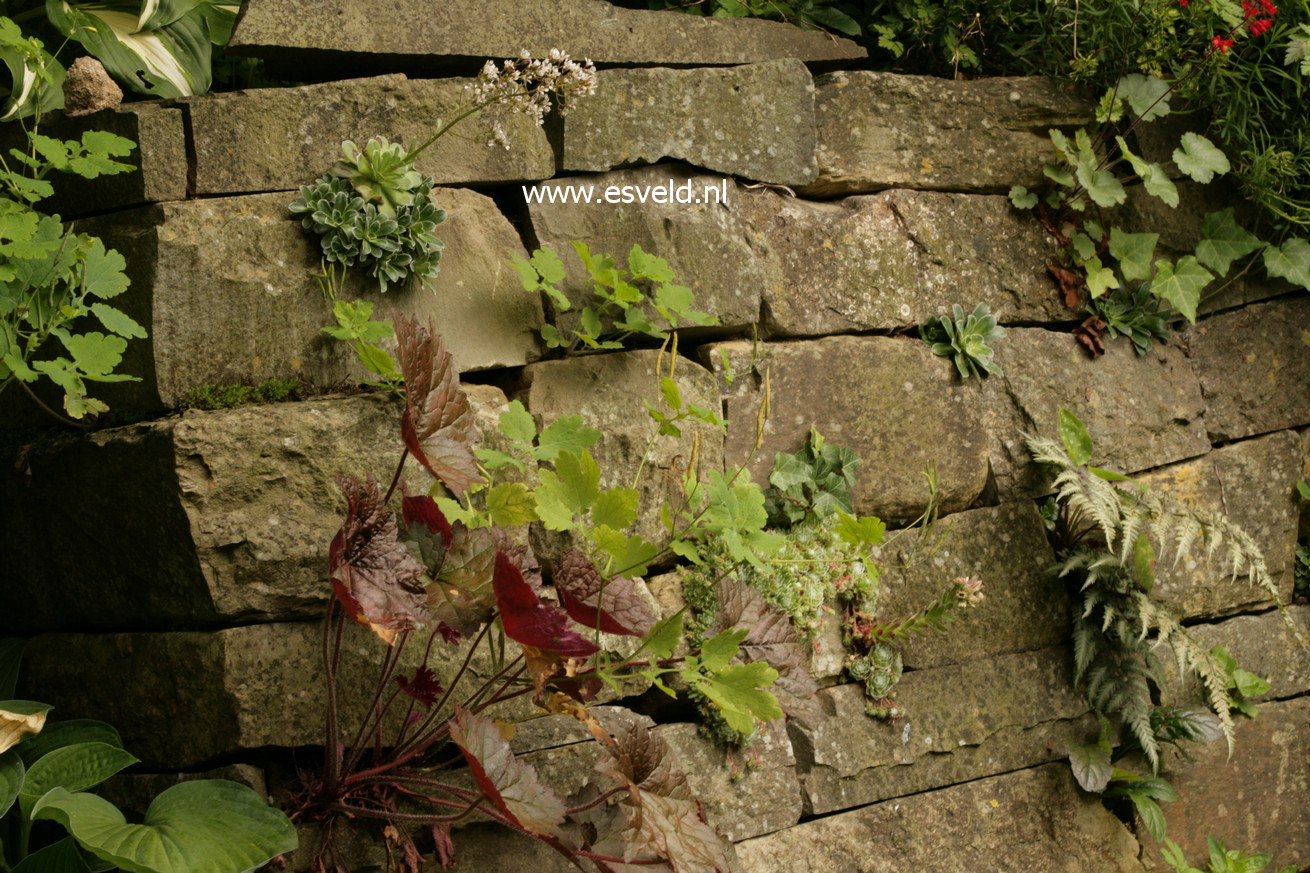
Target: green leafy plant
(1110, 534)
(1132, 314)
(967, 340)
(813, 482)
(807, 14)
(53, 280)
(1222, 859)
(48, 771)
(211, 397)
(620, 303)
(1243, 685)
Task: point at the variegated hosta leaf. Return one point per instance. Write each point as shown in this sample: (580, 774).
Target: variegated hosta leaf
(159, 13)
(20, 719)
(168, 61)
(220, 17)
(36, 78)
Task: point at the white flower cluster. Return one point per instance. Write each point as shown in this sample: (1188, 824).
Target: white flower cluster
(527, 84)
(970, 590)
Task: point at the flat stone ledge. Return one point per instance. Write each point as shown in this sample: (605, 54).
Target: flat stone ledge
(200, 520)
(882, 130)
(755, 121)
(409, 37)
(961, 722)
(892, 401)
(276, 139)
(1034, 820)
(1142, 412)
(1262, 644)
(1254, 368)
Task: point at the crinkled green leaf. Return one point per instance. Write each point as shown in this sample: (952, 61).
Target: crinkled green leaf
(516, 423)
(1147, 95)
(1134, 252)
(104, 275)
(615, 508)
(565, 434)
(1200, 159)
(75, 767)
(510, 504)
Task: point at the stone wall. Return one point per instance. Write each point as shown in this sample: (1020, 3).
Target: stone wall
(170, 571)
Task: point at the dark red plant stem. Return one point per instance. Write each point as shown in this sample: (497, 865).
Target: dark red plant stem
(395, 480)
(373, 716)
(409, 712)
(597, 802)
(445, 696)
(472, 699)
(330, 741)
(476, 706)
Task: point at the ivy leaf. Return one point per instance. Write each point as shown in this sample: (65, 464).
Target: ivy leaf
(1022, 198)
(438, 418)
(1181, 284)
(516, 423)
(1290, 261)
(613, 606)
(1077, 441)
(1091, 767)
(1100, 278)
(1200, 159)
(530, 621)
(1134, 252)
(771, 638)
(374, 576)
(510, 504)
(1224, 241)
(615, 508)
(565, 434)
(511, 785)
(1147, 95)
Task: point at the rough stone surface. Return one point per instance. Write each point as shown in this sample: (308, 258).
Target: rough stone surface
(754, 121)
(1034, 820)
(160, 158)
(88, 88)
(890, 400)
(1254, 367)
(709, 246)
(1141, 411)
(1250, 482)
(408, 37)
(1257, 800)
(1025, 608)
(231, 515)
(227, 289)
(881, 130)
(218, 693)
(961, 722)
(275, 139)
(610, 392)
(1263, 644)
(899, 258)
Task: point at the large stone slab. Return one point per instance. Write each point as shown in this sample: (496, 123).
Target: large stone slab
(899, 258)
(205, 519)
(610, 392)
(754, 121)
(1254, 368)
(228, 290)
(1035, 820)
(1257, 800)
(1252, 483)
(1262, 644)
(408, 37)
(275, 139)
(182, 699)
(961, 723)
(160, 158)
(1142, 412)
(890, 400)
(882, 130)
(1025, 606)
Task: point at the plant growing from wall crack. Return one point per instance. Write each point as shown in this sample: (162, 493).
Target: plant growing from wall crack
(967, 340)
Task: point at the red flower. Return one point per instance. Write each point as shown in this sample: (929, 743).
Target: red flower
(1222, 43)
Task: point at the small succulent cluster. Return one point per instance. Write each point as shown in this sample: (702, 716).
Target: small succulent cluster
(1133, 314)
(374, 209)
(878, 671)
(526, 85)
(968, 340)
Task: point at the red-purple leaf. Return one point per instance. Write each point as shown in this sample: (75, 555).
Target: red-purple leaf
(424, 687)
(438, 420)
(770, 638)
(531, 621)
(423, 510)
(511, 785)
(374, 576)
(461, 595)
(614, 607)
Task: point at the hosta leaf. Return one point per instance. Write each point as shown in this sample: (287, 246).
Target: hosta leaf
(530, 621)
(59, 734)
(36, 79)
(771, 638)
(75, 767)
(612, 606)
(1091, 767)
(1224, 241)
(220, 17)
(1199, 158)
(12, 774)
(20, 719)
(11, 659)
(1181, 284)
(511, 785)
(374, 576)
(1290, 261)
(61, 857)
(157, 13)
(1134, 252)
(438, 419)
(1147, 95)
(203, 826)
(168, 61)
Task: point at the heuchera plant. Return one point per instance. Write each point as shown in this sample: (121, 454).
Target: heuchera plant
(453, 578)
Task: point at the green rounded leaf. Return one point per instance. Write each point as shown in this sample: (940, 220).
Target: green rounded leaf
(1091, 767)
(1077, 441)
(61, 857)
(75, 768)
(11, 779)
(206, 826)
(67, 733)
(1200, 159)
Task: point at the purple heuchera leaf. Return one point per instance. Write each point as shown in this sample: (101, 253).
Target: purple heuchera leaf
(531, 621)
(511, 785)
(614, 607)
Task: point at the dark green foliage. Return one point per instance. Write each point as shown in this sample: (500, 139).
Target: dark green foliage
(815, 481)
(211, 397)
(1132, 314)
